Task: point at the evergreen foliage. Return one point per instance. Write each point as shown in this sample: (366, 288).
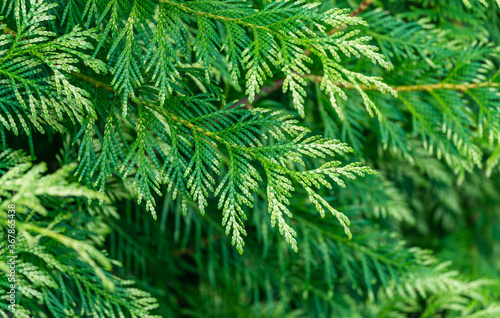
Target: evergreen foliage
(241, 123)
(59, 266)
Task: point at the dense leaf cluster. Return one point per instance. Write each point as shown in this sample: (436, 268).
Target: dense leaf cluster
(226, 119)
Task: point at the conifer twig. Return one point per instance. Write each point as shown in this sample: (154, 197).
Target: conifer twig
(276, 85)
(110, 89)
(84, 77)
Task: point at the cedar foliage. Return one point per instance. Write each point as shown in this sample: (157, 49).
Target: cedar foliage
(179, 129)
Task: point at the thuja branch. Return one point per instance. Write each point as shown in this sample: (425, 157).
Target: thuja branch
(276, 85)
(176, 118)
(81, 76)
(137, 100)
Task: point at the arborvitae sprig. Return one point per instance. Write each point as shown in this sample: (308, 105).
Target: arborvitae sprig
(175, 135)
(240, 132)
(59, 267)
(451, 100)
(34, 70)
(281, 34)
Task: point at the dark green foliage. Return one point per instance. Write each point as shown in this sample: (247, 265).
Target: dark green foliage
(222, 119)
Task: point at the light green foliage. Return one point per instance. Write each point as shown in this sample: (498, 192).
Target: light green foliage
(57, 234)
(36, 64)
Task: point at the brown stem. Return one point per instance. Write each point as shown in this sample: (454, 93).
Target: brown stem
(420, 87)
(94, 82)
(264, 91)
(6, 30)
(362, 7)
(431, 87)
(184, 7)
